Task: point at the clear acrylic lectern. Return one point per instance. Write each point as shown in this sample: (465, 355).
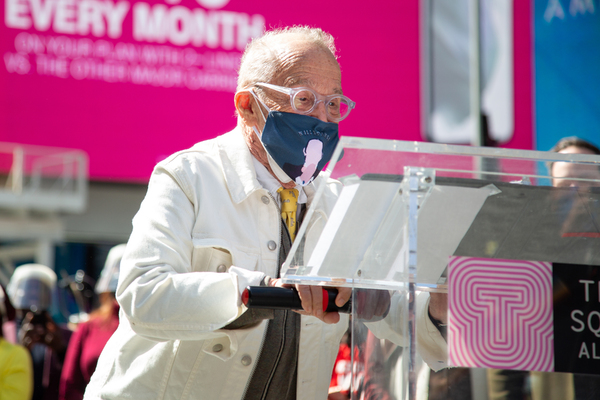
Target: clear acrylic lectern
(516, 250)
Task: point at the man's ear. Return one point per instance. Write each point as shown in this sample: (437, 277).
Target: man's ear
(246, 108)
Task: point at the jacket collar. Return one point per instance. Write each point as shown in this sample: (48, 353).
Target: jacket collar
(238, 168)
(236, 160)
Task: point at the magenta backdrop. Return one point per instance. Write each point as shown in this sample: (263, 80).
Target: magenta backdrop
(130, 101)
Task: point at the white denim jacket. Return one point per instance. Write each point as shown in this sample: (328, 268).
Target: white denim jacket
(204, 231)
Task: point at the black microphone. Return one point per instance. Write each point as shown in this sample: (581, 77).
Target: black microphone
(281, 298)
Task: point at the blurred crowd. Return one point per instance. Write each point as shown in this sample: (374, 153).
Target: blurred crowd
(41, 359)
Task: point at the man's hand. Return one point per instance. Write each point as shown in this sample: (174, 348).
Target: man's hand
(371, 305)
(312, 300)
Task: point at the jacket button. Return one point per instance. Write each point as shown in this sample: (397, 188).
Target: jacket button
(246, 360)
(217, 347)
(221, 268)
(272, 245)
(265, 199)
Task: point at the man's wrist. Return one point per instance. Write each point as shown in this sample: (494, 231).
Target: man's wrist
(439, 325)
(436, 321)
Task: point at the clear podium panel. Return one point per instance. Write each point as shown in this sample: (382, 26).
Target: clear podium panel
(484, 202)
(512, 251)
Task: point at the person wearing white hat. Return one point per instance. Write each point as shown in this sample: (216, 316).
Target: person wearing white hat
(30, 291)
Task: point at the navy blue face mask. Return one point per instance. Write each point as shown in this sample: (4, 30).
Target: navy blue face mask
(299, 144)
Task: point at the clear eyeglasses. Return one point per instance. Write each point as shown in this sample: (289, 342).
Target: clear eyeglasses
(304, 101)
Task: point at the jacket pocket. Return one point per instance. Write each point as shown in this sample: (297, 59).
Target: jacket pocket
(214, 255)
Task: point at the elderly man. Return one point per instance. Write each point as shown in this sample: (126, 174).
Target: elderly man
(219, 217)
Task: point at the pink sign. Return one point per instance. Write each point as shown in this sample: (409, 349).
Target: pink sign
(500, 314)
(132, 81)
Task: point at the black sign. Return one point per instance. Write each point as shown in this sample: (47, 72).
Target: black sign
(576, 293)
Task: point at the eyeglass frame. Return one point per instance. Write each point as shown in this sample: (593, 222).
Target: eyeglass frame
(318, 98)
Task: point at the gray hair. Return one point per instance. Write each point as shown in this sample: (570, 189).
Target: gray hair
(261, 64)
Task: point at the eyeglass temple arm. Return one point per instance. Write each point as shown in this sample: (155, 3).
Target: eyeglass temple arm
(280, 89)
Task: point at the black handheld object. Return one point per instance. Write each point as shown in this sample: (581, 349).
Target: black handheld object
(39, 319)
(288, 299)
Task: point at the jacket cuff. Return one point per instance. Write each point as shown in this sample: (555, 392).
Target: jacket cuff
(431, 344)
(243, 278)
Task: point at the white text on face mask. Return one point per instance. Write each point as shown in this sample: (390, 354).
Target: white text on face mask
(314, 133)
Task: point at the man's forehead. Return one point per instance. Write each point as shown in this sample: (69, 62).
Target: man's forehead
(573, 170)
(319, 71)
(293, 81)
(302, 62)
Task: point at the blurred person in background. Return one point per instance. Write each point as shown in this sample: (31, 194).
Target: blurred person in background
(509, 385)
(91, 336)
(77, 289)
(30, 291)
(339, 388)
(561, 170)
(582, 386)
(16, 371)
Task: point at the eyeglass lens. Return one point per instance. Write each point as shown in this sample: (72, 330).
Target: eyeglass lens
(304, 101)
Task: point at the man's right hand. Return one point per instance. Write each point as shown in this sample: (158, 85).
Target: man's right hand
(370, 305)
(312, 300)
